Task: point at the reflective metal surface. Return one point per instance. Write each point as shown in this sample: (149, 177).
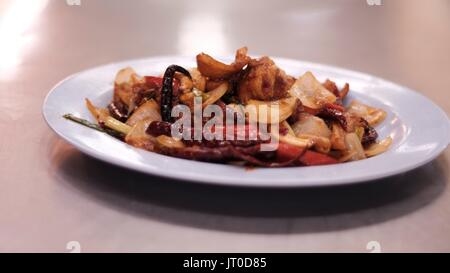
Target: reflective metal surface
(50, 194)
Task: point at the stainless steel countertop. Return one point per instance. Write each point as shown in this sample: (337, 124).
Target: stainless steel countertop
(51, 194)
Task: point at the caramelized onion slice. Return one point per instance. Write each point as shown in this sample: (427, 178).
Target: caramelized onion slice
(378, 148)
(215, 95)
(124, 82)
(311, 125)
(148, 110)
(169, 142)
(293, 140)
(321, 144)
(286, 125)
(337, 137)
(198, 79)
(373, 116)
(354, 147)
(138, 137)
(311, 92)
(210, 67)
(125, 76)
(270, 112)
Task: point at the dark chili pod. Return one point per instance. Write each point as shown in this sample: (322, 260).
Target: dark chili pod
(336, 112)
(118, 111)
(157, 128)
(167, 90)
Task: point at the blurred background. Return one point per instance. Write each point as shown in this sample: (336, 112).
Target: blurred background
(51, 194)
(403, 40)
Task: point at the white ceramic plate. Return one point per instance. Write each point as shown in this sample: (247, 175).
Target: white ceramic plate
(420, 130)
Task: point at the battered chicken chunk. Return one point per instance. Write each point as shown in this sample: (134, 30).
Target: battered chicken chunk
(215, 70)
(263, 80)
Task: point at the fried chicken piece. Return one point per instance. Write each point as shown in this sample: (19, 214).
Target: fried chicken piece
(216, 70)
(263, 80)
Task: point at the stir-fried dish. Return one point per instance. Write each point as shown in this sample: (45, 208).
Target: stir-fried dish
(248, 112)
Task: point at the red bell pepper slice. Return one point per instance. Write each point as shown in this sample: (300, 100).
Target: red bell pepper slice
(156, 83)
(286, 152)
(153, 81)
(311, 158)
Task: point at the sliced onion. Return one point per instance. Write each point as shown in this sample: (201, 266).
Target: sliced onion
(286, 125)
(138, 137)
(149, 110)
(123, 86)
(321, 144)
(308, 124)
(185, 83)
(215, 95)
(354, 146)
(102, 116)
(198, 79)
(347, 157)
(311, 92)
(379, 148)
(293, 140)
(337, 137)
(99, 114)
(270, 112)
(169, 142)
(125, 76)
(373, 116)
